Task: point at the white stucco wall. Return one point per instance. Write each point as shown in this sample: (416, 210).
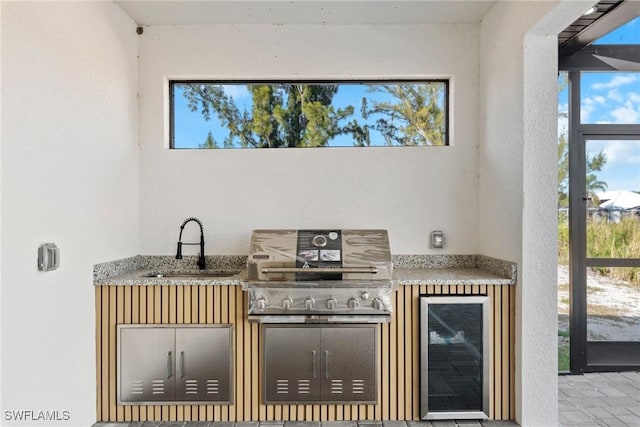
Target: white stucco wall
(69, 175)
(409, 191)
(518, 181)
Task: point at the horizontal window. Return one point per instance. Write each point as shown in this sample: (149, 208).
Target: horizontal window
(216, 114)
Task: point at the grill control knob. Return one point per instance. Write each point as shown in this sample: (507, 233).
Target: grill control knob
(364, 295)
(319, 241)
(309, 303)
(287, 303)
(331, 303)
(261, 303)
(353, 303)
(377, 304)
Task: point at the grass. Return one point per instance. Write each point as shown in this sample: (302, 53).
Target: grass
(607, 240)
(604, 240)
(563, 352)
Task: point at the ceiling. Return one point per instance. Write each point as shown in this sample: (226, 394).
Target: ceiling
(603, 7)
(187, 12)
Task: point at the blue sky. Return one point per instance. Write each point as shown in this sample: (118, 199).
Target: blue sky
(612, 98)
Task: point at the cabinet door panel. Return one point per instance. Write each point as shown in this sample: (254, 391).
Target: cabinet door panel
(203, 364)
(349, 364)
(291, 364)
(147, 364)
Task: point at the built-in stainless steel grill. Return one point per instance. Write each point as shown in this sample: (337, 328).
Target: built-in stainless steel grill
(319, 276)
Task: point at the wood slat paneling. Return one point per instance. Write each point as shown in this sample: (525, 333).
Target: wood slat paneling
(398, 358)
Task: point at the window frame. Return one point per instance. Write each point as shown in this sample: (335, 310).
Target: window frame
(445, 81)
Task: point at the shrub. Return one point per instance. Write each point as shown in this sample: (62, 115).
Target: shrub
(607, 240)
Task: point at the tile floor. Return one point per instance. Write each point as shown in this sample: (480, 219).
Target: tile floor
(590, 400)
(599, 400)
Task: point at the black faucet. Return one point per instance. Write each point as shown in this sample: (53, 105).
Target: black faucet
(201, 262)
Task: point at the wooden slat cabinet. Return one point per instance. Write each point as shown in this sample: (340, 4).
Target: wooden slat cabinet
(397, 363)
(174, 364)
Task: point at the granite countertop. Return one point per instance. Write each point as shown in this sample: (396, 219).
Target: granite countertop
(448, 276)
(408, 270)
(140, 278)
(402, 276)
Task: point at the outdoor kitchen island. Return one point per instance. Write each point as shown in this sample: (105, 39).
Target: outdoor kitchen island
(127, 298)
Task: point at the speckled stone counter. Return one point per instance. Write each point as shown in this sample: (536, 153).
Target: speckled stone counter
(448, 276)
(408, 270)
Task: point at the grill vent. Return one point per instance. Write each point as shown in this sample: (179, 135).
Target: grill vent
(213, 387)
(137, 387)
(157, 386)
(282, 386)
(357, 386)
(304, 387)
(336, 387)
(191, 386)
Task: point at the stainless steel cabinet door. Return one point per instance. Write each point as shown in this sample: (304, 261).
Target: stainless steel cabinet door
(146, 365)
(291, 364)
(349, 364)
(203, 364)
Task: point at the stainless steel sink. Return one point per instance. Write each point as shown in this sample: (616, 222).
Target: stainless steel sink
(191, 274)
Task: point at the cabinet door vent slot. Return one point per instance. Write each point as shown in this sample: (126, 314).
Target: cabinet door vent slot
(304, 387)
(336, 387)
(157, 386)
(136, 387)
(282, 386)
(191, 386)
(213, 387)
(357, 386)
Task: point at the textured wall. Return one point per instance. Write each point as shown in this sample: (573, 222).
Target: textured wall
(518, 180)
(409, 191)
(69, 176)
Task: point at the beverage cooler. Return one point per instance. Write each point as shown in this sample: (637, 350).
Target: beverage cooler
(454, 357)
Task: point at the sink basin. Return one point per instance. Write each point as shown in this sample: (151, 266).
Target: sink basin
(191, 274)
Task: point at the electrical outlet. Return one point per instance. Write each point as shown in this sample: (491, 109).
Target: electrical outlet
(437, 239)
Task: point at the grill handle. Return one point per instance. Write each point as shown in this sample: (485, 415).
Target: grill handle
(279, 270)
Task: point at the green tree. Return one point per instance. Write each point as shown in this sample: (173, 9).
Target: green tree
(210, 142)
(593, 164)
(563, 171)
(412, 116)
(281, 115)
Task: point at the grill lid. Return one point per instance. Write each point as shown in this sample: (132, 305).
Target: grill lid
(318, 255)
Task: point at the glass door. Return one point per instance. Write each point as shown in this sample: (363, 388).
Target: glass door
(607, 247)
(454, 348)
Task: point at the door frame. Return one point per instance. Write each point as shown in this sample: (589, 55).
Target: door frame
(588, 356)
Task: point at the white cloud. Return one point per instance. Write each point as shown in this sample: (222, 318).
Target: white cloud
(615, 95)
(586, 108)
(619, 153)
(599, 99)
(626, 114)
(616, 81)
(563, 120)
